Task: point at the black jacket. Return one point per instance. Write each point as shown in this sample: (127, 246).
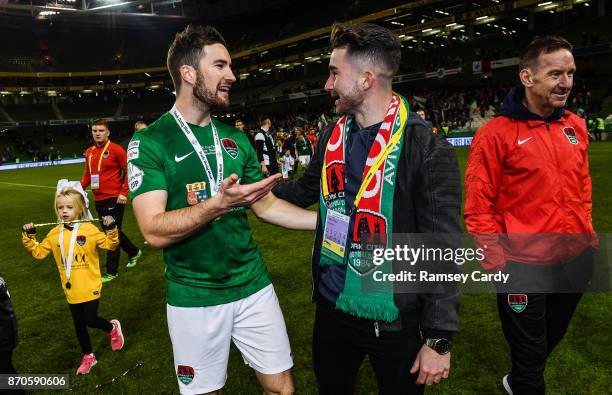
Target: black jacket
(427, 199)
(8, 322)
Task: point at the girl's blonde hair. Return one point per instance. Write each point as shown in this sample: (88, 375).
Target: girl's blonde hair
(76, 199)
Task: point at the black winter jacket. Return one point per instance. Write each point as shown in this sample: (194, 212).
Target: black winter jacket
(427, 199)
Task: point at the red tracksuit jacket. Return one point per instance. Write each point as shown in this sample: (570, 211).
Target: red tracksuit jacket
(113, 171)
(529, 178)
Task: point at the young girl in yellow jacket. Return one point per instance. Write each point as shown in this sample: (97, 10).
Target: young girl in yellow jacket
(74, 249)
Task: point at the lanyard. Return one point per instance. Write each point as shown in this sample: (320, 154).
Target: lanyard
(382, 156)
(100, 160)
(68, 262)
(214, 184)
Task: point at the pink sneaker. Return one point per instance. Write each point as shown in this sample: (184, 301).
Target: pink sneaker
(88, 361)
(116, 336)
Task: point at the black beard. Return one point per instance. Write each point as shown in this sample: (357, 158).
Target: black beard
(349, 102)
(206, 97)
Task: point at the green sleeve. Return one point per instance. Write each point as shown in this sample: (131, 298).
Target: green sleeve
(145, 167)
(252, 168)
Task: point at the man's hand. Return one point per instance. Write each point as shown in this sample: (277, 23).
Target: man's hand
(432, 367)
(121, 199)
(108, 221)
(231, 194)
(264, 169)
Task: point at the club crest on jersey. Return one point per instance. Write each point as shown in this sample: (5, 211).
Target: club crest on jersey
(81, 240)
(106, 154)
(517, 302)
(570, 133)
(230, 147)
(196, 193)
(185, 374)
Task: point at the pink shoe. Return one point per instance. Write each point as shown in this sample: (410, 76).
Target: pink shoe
(116, 336)
(88, 361)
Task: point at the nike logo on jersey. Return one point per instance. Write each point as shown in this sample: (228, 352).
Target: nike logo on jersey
(180, 158)
(520, 142)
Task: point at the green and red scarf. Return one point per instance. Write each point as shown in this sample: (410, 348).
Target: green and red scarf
(373, 212)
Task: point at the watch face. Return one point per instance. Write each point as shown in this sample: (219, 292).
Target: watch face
(441, 346)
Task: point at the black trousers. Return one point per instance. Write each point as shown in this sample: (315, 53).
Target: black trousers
(533, 333)
(341, 342)
(6, 367)
(112, 208)
(86, 315)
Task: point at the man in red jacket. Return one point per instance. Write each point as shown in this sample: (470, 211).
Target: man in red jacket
(106, 172)
(528, 178)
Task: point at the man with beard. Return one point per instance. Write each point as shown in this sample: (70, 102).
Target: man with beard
(528, 176)
(191, 177)
(378, 171)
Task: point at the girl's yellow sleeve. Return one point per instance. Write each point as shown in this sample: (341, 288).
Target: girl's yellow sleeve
(38, 250)
(109, 240)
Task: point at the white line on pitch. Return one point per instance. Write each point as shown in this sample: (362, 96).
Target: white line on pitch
(26, 185)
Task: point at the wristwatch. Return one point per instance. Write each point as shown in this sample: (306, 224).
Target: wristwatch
(441, 346)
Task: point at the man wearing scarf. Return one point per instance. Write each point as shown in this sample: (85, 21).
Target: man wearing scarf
(379, 171)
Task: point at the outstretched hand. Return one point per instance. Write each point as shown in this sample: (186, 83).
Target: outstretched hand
(231, 194)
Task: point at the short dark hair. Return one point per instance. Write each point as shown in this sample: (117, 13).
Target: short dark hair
(98, 122)
(263, 120)
(188, 47)
(370, 42)
(543, 45)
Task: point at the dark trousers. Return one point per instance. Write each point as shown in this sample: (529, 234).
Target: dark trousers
(6, 367)
(533, 333)
(86, 315)
(112, 208)
(341, 342)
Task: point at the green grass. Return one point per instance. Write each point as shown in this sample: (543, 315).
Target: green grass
(580, 364)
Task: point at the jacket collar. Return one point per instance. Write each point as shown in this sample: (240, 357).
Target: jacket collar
(514, 108)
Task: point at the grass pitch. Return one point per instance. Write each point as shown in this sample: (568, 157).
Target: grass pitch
(582, 363)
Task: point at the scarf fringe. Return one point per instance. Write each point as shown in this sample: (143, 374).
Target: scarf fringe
(368, 306)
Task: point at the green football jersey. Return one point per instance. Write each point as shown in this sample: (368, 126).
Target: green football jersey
(220, 263)
(303, 146)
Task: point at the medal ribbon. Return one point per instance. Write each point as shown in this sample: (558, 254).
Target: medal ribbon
(214, 184)
(68, 262)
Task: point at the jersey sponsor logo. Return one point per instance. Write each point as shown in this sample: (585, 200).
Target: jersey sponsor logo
(133, 153)
(196, 193)
(521, 142)
(185, 374)
(517, 302)
(177, 159)
(81, 240)
(135, 176)
(570, 133)
(79, 258)
(134, 144)
(230, 147)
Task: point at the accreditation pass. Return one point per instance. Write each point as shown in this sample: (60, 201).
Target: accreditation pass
(335, 234)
